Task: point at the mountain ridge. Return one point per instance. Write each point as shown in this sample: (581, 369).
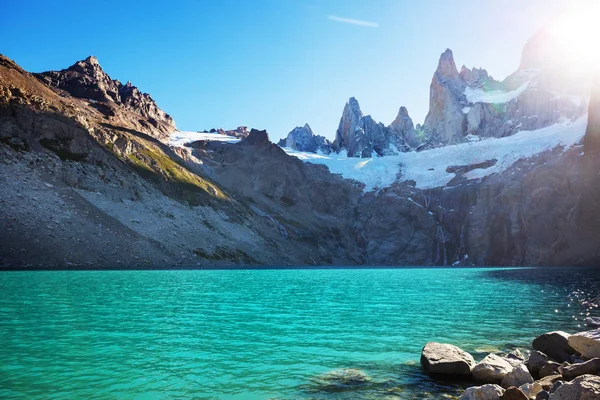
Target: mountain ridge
(114, 193)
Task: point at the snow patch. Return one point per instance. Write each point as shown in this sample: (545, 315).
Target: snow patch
(428, 168)
(180, 138)
(493, 96)
(466, 110)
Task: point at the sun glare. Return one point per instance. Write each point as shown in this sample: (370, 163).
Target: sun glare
(577, 35)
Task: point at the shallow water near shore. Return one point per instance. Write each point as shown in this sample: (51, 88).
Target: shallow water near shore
(265, 334)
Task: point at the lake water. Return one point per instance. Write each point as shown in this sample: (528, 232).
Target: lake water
(265, 334)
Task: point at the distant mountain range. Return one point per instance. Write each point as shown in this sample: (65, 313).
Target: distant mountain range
(464, 104)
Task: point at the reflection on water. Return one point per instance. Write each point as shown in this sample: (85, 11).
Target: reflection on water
(266, 334)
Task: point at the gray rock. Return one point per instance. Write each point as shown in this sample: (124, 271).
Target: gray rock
(536, 361)
(302, 138)
(551, 368)
(555, 345)
(492, 369)
(586, 343)
(517, 377)
(548, 381)
(586, 387)
(555, 386)
(515, 358)
(446, 359)
(591, 367)
(543, 395)
(513, 393)
(531, 389)
(485, 392)
(361, 136)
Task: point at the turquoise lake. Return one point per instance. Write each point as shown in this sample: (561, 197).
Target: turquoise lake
(264, 334)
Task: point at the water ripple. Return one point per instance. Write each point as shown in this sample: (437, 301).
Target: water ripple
(264, 334)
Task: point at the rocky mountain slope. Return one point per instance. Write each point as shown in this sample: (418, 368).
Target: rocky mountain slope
(90, 187)
(90, 180)
(87, 80)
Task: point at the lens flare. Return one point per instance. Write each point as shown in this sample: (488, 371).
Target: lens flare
(576, 35)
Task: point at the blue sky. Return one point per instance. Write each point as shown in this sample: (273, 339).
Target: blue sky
(274, 64)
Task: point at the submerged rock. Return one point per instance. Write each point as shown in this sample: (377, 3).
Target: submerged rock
(485, 392)
(592, 322)
(555, 345)
(446, 359)
(342, 379)
(492, 369)
(586, 343)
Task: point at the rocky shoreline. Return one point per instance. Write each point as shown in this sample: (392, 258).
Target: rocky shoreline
(560, 366)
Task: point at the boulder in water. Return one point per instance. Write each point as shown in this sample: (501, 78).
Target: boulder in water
(446, 359)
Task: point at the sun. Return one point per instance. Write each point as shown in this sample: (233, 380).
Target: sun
(576, 34)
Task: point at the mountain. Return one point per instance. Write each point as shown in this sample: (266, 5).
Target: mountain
(545, 89)
(302, 138)
(361, 136)
(538, 94)
(90, 179)
(87, 80)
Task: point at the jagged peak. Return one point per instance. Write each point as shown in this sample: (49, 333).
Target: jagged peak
(88, 66)
(403, 112)
(353, 106)
(308, 128)
(447, 67)
(403, 122)
(92, 60)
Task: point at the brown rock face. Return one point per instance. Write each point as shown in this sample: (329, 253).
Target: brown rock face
(87, 80)
(446, 121)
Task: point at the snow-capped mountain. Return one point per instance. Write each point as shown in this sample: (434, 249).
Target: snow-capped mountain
(543, 91)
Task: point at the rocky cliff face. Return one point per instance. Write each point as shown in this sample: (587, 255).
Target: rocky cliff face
(403, 126)
(446, 121)
(361, 136)
(87, 80)
(302, 138)
(544, 90)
